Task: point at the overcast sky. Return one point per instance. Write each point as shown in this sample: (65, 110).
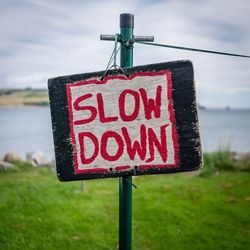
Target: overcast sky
(41, 39)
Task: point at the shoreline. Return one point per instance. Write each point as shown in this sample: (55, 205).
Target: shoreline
(24, 106)
(23, 97)
(46, 105)
(39, 98)
(234, 154)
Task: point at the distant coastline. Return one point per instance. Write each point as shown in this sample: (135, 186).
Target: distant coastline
(30, 97)
(39, 97)
(23, 97)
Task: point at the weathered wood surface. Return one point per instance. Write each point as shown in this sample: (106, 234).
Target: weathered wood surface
(145, 123)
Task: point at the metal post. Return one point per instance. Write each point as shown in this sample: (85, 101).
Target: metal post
(125, 205)
(127, 40)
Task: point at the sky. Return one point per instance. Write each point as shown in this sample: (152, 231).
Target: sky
(41, 39)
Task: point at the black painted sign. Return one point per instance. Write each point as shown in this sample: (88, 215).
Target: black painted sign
(141, 122)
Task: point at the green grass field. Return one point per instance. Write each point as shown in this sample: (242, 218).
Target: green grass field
(177, 211)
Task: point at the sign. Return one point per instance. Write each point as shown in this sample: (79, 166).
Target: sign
(144, 122)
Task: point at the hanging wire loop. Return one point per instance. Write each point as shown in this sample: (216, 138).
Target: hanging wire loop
(114, 52)
(113, 58)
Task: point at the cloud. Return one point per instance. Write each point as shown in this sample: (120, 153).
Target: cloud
(222, 31)
(27, 80)
(46, 38)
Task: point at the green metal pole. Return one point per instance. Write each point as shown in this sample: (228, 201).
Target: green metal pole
(125, 203)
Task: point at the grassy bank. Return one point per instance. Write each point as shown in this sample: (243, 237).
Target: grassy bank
(22, 97)
(177, 211)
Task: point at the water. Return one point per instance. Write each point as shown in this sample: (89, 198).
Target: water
(26, 129)
(29, 128)
(220, 129)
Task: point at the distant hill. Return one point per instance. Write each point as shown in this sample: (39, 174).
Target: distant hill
(23, 97)
(201, 107)
(30, 97)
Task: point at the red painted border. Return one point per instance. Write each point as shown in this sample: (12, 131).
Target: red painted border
(174, 131)
(105, 80)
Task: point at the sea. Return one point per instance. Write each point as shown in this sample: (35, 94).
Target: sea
(25, 129)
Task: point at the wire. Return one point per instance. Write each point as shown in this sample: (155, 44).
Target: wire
(193, 49)
(110, 59)
(113, 59)
(114, 53)
(115, 48)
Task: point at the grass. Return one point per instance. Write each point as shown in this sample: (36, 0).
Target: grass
(224, 160)
(177, 211)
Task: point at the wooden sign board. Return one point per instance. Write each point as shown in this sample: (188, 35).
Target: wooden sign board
(144, 122)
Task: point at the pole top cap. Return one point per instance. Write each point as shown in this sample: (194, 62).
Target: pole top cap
(127, 20)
